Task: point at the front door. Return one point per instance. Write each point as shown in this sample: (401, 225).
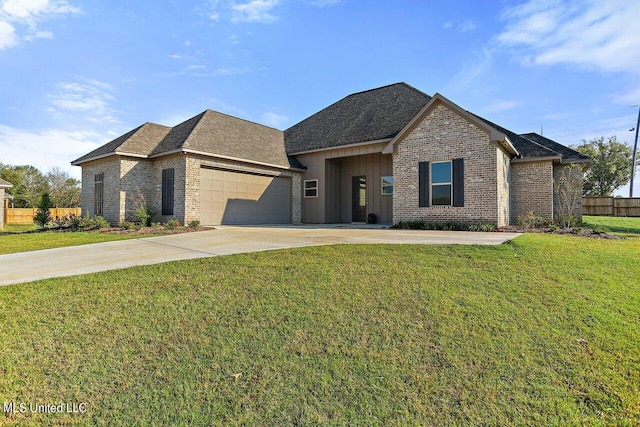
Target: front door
(359, 199)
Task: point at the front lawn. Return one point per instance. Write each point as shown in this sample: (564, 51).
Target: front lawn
(541, 331)
(23, 242)
(619, 225)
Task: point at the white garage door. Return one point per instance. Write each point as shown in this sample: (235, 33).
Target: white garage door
(228, 197)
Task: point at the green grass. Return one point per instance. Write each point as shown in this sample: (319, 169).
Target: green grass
(541, 331)
(618, 225)
(23, 242)
(15, 228)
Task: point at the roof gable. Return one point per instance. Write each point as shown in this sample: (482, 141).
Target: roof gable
(372, 115)
(494, 134)
(138, 142)
(222, 135)
(5, 184)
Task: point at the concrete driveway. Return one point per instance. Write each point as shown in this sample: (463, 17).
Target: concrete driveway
(224, 240)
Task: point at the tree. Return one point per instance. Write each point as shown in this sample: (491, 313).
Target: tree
(28, 184)
(611, 167)
(567, 186)
(43, 215)
(64, 190)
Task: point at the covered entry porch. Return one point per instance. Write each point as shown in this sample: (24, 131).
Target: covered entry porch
(358, 189)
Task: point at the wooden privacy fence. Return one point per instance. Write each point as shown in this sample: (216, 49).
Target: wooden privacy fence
(611, 206)
(25, 215)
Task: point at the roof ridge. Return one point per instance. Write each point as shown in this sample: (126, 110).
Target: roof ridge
(386, 86)
(240, 118)
(538, 144)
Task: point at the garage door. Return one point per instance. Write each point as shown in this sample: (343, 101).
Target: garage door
(228, 197)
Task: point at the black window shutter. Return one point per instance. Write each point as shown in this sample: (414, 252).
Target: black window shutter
(458, 182)
(423, 183)
(167, 191)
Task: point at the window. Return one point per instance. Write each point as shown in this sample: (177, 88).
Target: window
(387, 185)
(441, 184)
(98, 194)
(311, 188)
(167, 191)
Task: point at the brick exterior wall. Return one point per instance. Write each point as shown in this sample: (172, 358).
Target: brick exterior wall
(179, 163)
(531, 189)
(111, 193)
(445, 135)
(126, 178)
(134, 184)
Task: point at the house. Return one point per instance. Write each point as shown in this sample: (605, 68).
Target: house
(389, 154)
(3, 186)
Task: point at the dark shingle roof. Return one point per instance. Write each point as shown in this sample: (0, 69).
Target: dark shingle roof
(141, 140)
(209, 132)
(364, 116)
(568, 154)
(532, 145)
(220, 134)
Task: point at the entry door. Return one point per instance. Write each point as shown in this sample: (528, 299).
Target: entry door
(359, 199)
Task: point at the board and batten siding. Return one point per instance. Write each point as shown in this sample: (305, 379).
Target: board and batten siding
(334, 169)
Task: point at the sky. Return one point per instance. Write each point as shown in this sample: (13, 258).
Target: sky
(75, 74)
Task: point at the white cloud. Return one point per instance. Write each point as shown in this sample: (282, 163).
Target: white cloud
(254, 11)
(47, 148)
(26, 15)
(39, 35)
(93, 98)
(471, 69)
(466, 26)
(600, 35)
(7, 35)
(447, 25)
(273, 119)
(498, 106)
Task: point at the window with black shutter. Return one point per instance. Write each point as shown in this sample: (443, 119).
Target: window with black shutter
(98, 194)
(441, 183)
(423, 183)
(458, 182)
(167, 191)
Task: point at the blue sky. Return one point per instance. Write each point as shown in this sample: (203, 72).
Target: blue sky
(76, 74)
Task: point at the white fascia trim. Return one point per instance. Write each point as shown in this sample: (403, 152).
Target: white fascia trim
(339, 147)
(219, 156)
(536, 159)
(104, 156)
(509, 145)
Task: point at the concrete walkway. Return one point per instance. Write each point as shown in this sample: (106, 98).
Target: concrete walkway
(224, 240)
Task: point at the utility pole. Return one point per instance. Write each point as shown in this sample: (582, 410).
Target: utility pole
(633, 157)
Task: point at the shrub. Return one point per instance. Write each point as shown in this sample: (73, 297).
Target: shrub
(92, 223)
(194, 223)
(444, 226)
(172, 223)
(567, 221)
(43, 215)
(532, 220)
(127, 225)
(144, 212)
(71, 221)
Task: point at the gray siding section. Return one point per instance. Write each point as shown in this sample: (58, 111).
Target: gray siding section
(334, 169)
